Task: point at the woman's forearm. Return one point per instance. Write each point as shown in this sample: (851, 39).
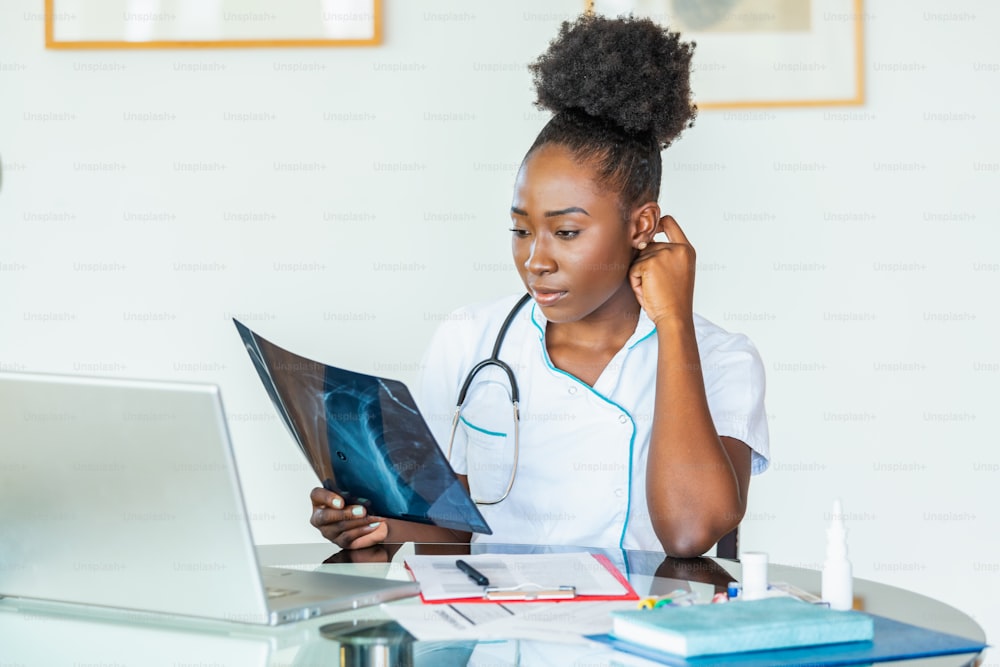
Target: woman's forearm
(692, 487)
(408, 531)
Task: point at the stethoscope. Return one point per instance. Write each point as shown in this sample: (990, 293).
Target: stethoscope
(494, 360)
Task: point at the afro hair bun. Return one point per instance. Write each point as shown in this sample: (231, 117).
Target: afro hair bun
(628, 71)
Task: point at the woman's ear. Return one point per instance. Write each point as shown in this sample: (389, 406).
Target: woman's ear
(644, 223)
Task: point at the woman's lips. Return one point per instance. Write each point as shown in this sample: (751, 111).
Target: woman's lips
(547, 298)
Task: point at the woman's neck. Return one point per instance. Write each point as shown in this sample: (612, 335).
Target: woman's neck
(583, 348)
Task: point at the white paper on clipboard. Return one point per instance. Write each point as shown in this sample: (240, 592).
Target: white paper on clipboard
(593, 577)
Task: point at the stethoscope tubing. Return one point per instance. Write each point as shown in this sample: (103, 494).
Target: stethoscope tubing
(494, 360)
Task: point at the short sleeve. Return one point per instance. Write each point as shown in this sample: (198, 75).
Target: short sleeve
(735, 387)
(438, 388)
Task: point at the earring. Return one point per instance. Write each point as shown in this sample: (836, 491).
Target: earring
(642, 245)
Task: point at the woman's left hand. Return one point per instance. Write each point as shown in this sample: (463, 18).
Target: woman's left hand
(662, 276)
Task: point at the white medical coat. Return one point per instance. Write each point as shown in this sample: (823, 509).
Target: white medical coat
(581, 473)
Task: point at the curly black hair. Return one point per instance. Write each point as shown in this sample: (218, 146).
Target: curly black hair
(620, 93)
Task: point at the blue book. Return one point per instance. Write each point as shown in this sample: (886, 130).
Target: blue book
(894, 640)
(738, 627)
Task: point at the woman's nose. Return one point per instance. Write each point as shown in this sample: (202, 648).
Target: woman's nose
(540, 260)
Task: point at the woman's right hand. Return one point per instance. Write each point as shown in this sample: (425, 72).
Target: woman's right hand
(348, 527)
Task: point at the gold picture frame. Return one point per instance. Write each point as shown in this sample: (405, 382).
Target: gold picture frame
(761, 54)
(211, 24)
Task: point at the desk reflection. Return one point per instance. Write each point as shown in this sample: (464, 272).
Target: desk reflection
(52, 637)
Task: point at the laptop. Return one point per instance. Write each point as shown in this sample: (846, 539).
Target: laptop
(125, 494)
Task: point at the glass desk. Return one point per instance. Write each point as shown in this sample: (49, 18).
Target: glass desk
(368, 636)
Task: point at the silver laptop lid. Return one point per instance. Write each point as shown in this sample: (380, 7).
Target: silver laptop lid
(123, 493)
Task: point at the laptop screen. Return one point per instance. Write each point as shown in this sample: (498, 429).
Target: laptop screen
(123, 493)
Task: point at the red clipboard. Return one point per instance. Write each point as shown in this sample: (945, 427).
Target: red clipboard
(544, 595)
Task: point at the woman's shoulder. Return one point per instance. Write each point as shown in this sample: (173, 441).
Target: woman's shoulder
(496, 307)
(714, 338)
(475, 321)
(481, 314)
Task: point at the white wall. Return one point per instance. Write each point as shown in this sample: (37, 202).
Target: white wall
(342, 201)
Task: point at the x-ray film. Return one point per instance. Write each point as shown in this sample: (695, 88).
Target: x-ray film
(364, 438)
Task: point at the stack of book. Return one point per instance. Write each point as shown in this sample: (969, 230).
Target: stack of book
(773, 631)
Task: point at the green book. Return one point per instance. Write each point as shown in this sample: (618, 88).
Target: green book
(736, 627)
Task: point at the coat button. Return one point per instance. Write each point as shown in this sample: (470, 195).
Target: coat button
(623, 419)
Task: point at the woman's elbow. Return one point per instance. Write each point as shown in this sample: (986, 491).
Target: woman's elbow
(687, 544)
(692, 540)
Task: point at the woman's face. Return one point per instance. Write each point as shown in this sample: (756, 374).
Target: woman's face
(570, 244)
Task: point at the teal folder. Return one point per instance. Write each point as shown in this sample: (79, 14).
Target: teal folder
(893, 640)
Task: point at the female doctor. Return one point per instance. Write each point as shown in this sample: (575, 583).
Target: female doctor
(641, 422)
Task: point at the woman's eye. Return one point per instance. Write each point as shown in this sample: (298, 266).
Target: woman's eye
(568, 233)
(519, 233)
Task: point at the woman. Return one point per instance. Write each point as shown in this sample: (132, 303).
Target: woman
(641, 421)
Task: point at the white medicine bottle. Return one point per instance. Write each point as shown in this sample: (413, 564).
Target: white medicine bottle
(838, 582)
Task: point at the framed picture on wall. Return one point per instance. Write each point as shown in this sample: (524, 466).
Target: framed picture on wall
(764, 53)
(151, 24)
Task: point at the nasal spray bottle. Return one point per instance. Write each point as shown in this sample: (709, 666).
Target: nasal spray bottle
(838, 585)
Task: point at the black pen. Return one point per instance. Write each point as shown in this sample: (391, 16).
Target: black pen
(473, 573)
